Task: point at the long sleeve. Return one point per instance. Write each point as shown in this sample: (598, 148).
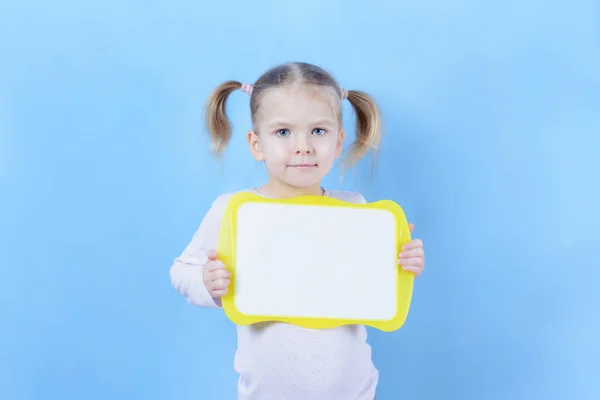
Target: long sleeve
(186, 271)
(360, 199)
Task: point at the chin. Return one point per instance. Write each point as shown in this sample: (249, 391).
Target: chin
(302, 183)
(305, 182)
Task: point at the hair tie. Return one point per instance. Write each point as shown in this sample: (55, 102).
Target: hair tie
(344, 94)
(247, 88)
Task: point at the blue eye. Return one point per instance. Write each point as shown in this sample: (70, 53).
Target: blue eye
(318, 131)
(283, 132)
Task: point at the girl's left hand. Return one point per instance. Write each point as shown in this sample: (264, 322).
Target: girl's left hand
(412, 257)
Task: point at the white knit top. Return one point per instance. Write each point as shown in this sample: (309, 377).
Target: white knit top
(279, 361)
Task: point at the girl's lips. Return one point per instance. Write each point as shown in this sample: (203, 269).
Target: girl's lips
(303, 165)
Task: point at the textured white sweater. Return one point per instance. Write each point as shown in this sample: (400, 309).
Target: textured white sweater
(278, 361)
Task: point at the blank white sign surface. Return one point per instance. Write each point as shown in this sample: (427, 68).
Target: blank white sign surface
(316, 261)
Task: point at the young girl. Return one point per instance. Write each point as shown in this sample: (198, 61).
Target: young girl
(297, 134)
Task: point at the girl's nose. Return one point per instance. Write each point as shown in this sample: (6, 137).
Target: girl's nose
(303, 145)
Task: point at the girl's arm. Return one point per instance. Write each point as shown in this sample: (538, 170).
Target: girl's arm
(186, 271)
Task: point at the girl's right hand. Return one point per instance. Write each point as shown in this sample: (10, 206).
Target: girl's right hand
(215, 276)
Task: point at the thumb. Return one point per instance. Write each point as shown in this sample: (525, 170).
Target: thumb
(411, 226)
(212, 255)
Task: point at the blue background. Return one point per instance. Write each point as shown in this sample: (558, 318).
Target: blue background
(492, 126)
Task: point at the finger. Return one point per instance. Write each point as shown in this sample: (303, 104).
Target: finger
(416, 271)
(413, 244)
(412, 262)
(216, 284)
(417, 252)
(221, 274)
(220, 284)
(214, 266)
(212, 255)
(411, 226)
(217, 294)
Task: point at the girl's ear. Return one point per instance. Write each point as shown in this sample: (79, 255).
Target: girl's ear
(255, 148)
(340, 143)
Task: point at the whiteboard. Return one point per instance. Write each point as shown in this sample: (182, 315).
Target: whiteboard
(296, 260)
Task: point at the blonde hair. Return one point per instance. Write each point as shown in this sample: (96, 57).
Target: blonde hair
(368, 123)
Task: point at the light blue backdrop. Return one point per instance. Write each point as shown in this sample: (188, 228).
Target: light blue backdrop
(492, 121)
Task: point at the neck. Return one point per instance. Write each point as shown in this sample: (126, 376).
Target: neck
(280, 190)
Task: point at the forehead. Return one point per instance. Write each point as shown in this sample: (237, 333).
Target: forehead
(298, 103)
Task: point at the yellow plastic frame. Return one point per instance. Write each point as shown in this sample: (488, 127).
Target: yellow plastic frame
(227, 245)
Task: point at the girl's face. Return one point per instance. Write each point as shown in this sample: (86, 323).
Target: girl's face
(298, 137)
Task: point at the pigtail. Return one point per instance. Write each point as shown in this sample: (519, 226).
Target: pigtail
(368, 126)
(217, 122)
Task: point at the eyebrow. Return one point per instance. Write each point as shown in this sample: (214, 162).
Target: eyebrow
(323, 122)
(278, 122)
(319, 122)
